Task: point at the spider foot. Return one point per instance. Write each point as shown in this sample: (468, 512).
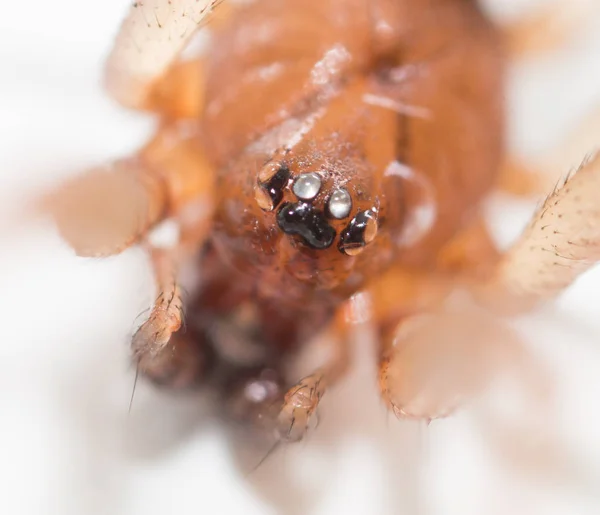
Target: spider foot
(298, 412)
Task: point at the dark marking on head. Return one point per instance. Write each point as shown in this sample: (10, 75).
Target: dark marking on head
(274, 187)
(359, 232)
(304, 220)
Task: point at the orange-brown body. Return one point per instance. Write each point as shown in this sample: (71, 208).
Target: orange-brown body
(320, 148)
(400, 102)
(324, 155)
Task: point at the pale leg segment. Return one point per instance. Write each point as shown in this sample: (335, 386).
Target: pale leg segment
(301, 401)
(106, 210)
(561, 243)
(150, 40)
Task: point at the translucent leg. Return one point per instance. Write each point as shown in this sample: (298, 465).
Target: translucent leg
(151, 38)
(561, 242)
(105, 210)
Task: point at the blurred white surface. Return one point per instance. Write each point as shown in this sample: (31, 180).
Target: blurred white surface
(67, 443)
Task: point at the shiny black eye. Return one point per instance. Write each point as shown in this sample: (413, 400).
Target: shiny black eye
(304, 220)
(270, 193)
(361, 231)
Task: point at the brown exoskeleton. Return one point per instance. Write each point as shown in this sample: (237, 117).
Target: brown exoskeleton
(317, 153)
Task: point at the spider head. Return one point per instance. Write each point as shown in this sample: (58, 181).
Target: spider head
(320, 208)
(326, 214)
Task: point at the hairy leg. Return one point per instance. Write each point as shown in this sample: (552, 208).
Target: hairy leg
(151, 38)
(432, 358)
(561, 242)
(152, 66)
(398, 297)
(105, 210)
(436, 348)
(431, 363)
(302, 400)
(161, 351)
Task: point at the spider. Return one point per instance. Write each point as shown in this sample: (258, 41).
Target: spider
(321, 159)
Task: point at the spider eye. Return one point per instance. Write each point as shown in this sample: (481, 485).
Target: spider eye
(271, 182)
(303, 220)
(307, 186)
(361, 231)
(340, 204)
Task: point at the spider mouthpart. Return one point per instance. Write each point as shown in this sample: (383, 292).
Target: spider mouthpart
(304, 220)
(361, 231)
(269, 192)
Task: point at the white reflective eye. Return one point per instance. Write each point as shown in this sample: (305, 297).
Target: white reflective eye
(340, 203)
(307, 186)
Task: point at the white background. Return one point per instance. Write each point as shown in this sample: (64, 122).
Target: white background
(67, 444)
